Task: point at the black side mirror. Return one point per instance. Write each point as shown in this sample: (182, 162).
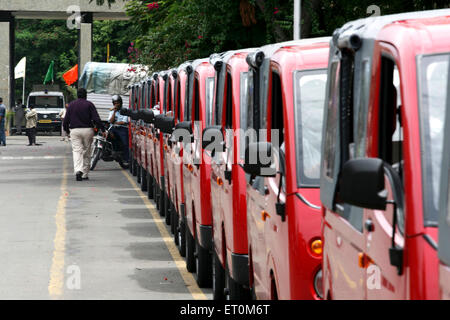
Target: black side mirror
(362, 184)
(258, 159)
(181, 129)
(134, 115)
(212, 137)
(148, 116)
(167, 124)
(159, 121)
(125, 112)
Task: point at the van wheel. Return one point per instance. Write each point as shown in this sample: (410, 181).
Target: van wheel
(149, 186)
(131, 162)
(167, 212)
(218, 279)
(143, 180)
(174, 222)
(162, 209)
(134, 168)
(203, 266)
(235, 290)
(139, 173)
(182, 239)
(190, 247)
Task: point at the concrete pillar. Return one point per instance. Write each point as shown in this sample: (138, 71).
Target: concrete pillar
(7, 58)
(84, 41)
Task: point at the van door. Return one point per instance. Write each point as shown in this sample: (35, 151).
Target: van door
(384, 230)
(342, 229)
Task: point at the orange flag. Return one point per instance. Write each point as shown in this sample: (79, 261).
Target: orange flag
(71, 76)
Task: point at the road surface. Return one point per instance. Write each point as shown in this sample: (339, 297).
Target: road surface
(96, 239)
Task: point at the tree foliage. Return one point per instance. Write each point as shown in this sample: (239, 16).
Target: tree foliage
(178, 30)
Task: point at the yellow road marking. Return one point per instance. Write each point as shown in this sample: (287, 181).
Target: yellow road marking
(56, 283)
(188, 278)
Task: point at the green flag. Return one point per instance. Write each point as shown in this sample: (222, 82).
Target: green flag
(49, 75)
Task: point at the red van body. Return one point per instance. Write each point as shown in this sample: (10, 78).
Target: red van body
(175, 164)
(381, 156)
(283, 210)
(196, 177)
(228, 181)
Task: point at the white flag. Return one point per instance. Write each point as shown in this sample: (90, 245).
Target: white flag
(19, 71)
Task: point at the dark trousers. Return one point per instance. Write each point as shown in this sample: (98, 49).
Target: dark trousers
(31, 134)
(122, 134)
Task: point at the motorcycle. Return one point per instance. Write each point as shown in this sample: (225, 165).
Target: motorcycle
(102, 148)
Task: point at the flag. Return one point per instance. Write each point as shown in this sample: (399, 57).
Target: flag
(49, 75)
(71, 76)
(19, 71)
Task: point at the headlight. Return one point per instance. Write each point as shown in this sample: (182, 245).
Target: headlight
(318, 283)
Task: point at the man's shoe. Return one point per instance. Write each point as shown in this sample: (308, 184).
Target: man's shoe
(79, 176)
(84, 177)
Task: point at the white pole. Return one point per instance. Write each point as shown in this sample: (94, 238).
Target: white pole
(23, 90)
(297, 19)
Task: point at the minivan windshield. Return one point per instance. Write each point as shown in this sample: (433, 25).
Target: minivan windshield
(309, 99)
(46, 101)
(433, 86)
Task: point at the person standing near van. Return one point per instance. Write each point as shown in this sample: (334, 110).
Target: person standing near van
(62, 115)
(2, 123)
(19, 114)
(79, 121)
(32, 119)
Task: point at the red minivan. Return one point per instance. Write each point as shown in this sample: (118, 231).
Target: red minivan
(444, 218)
(228, 180)
(196, 176)
(286, 101)
(382, 156)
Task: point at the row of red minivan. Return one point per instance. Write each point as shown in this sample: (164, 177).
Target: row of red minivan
(231, 150)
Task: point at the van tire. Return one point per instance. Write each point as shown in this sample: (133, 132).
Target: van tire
(182, 238)
(149, 186)
(143, 180)
(203, 266)
(190, 251)
(218, 284)
(235, 290)
(167, 211)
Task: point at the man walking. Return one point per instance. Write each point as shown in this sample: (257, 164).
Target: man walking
(31, 124)
(81, 115)
(2, 123)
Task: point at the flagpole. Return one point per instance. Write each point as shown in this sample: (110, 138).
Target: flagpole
(23, 92)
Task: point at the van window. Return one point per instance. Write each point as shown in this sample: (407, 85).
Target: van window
(209, 100)
(46, 101)
(332, 122)
(309, 99)
(188, 102)
(433, 91)
(229, 103)
(243, 108)
(196, 100)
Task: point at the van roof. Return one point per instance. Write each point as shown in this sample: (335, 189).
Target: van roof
(369, 28)
(49, 93)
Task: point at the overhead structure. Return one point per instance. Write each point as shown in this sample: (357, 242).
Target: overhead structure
(79, 15)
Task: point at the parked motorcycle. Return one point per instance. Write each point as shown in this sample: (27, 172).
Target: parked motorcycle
(102, 148)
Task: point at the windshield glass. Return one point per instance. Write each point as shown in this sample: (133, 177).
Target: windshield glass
(46, 101)
(209, 100)
(433, 78)
(309, 99)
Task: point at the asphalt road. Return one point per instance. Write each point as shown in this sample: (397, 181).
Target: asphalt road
(96, 239)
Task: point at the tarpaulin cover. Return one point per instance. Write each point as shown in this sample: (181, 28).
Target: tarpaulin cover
(111, 78)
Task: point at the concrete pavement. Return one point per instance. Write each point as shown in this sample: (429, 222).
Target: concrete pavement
(96, 239)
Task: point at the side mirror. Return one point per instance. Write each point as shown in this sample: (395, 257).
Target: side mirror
(258, 159)
(134, 115)
(167, 124)
(212, 137)
(362, 184)
(183, 130)
(159, 121)
(125, 112)
(148, 116)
